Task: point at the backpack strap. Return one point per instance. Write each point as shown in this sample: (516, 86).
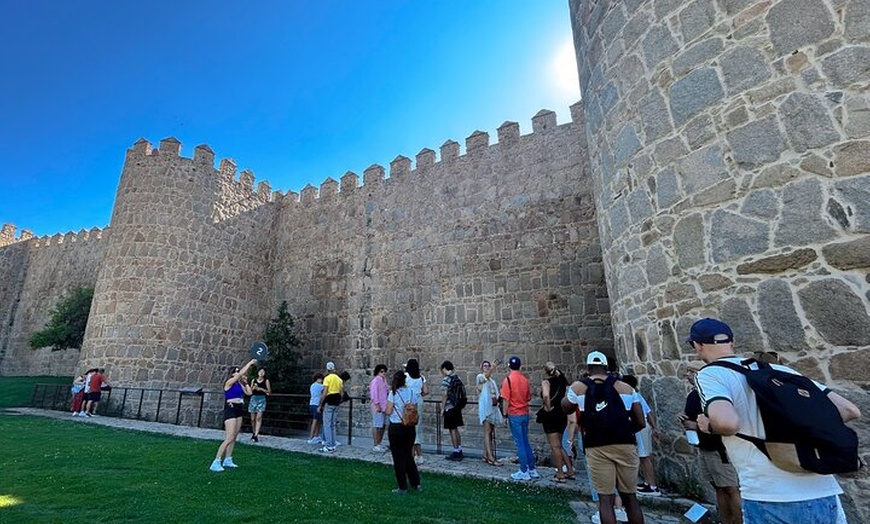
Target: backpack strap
(743, 369)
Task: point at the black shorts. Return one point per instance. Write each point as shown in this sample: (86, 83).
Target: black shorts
(453, 419)
(94, 396)
(232, 411)
(555, 422)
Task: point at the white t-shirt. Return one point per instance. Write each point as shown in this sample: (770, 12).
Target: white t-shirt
(416, 385)
(315, 390)
(399, 398)
(760, 480)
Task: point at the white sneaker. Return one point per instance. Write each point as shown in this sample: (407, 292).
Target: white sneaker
(533, 473)
(378, 449)
(216, 465)
(228, 463)
(596, 519)
(621, 515)
(326, 449)
(521, 476)
(314, 440)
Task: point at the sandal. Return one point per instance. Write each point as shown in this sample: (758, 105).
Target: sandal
(559, 480)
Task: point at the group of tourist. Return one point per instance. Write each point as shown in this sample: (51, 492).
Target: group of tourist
(615, 424)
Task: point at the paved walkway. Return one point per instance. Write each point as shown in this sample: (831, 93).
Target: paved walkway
(658, 510)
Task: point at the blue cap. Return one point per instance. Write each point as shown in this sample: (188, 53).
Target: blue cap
(710, 331)
(514, 363)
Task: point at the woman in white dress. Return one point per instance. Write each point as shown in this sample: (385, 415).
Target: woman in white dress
(417, 383)
(488, 410)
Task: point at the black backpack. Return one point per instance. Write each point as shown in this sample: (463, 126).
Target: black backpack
(605, 419)
(803, 428)
(456, 393)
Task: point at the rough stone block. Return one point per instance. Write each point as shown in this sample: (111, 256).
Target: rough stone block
(733, 236)
(849, 255)
(779, 263)
(702, 169)
(847, 67)
(795, 24)
(626, 145)
(802, 219)
(762, 204)
(689, 241)
(698, 54)
(747, 336)
(775, 176)
(655, 116)
(693, 93)
(855, 194)
(807, 122)
(836, 312)
(658, 44)
(857, 115)
(733, 7)
(657, 267)
(639, 205)
(857, 21)
(667, 189)
(744, 67)
(852, 158)
(851, 365)
(696, 19)
(757, 142)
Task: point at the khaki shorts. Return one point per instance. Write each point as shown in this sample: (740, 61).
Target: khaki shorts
(719, 474)
(614, 468)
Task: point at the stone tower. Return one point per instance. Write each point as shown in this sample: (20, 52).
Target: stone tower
(175, 301)
(730, 154)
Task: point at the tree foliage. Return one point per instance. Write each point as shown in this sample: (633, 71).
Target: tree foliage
(66, 327)
(281, 338)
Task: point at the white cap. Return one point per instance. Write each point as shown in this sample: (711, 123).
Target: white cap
(330, 366)
(596, 358)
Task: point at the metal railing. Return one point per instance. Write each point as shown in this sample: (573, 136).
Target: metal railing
(286, 415)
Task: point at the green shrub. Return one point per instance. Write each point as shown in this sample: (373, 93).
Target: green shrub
(66, 328)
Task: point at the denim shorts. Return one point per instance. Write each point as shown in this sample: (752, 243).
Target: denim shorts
(812, 511)
(315, 412)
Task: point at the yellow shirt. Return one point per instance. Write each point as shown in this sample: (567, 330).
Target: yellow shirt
(333, 384)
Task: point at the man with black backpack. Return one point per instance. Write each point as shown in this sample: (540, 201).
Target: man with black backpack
(451, 406)
(784, 433)
(610, 415)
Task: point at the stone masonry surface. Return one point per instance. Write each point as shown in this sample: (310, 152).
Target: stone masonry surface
(730, 150)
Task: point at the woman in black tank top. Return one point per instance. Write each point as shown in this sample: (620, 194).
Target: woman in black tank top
(555, 420)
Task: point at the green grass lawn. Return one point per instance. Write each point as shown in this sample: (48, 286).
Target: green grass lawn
(16, 391)
(68, 472)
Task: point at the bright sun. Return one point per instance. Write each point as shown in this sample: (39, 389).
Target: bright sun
(563, 70)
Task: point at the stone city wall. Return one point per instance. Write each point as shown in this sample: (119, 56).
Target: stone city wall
(477, 256)
(729, 148)
(35, 274)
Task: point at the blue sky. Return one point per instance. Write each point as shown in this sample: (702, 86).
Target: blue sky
(296, 91)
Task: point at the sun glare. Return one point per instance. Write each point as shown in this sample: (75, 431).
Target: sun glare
(563, 70)
(9, 500)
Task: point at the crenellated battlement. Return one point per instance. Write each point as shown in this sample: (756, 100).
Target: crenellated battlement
(476, 145)
(84, 235)
(7, 236)
(243, 187)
